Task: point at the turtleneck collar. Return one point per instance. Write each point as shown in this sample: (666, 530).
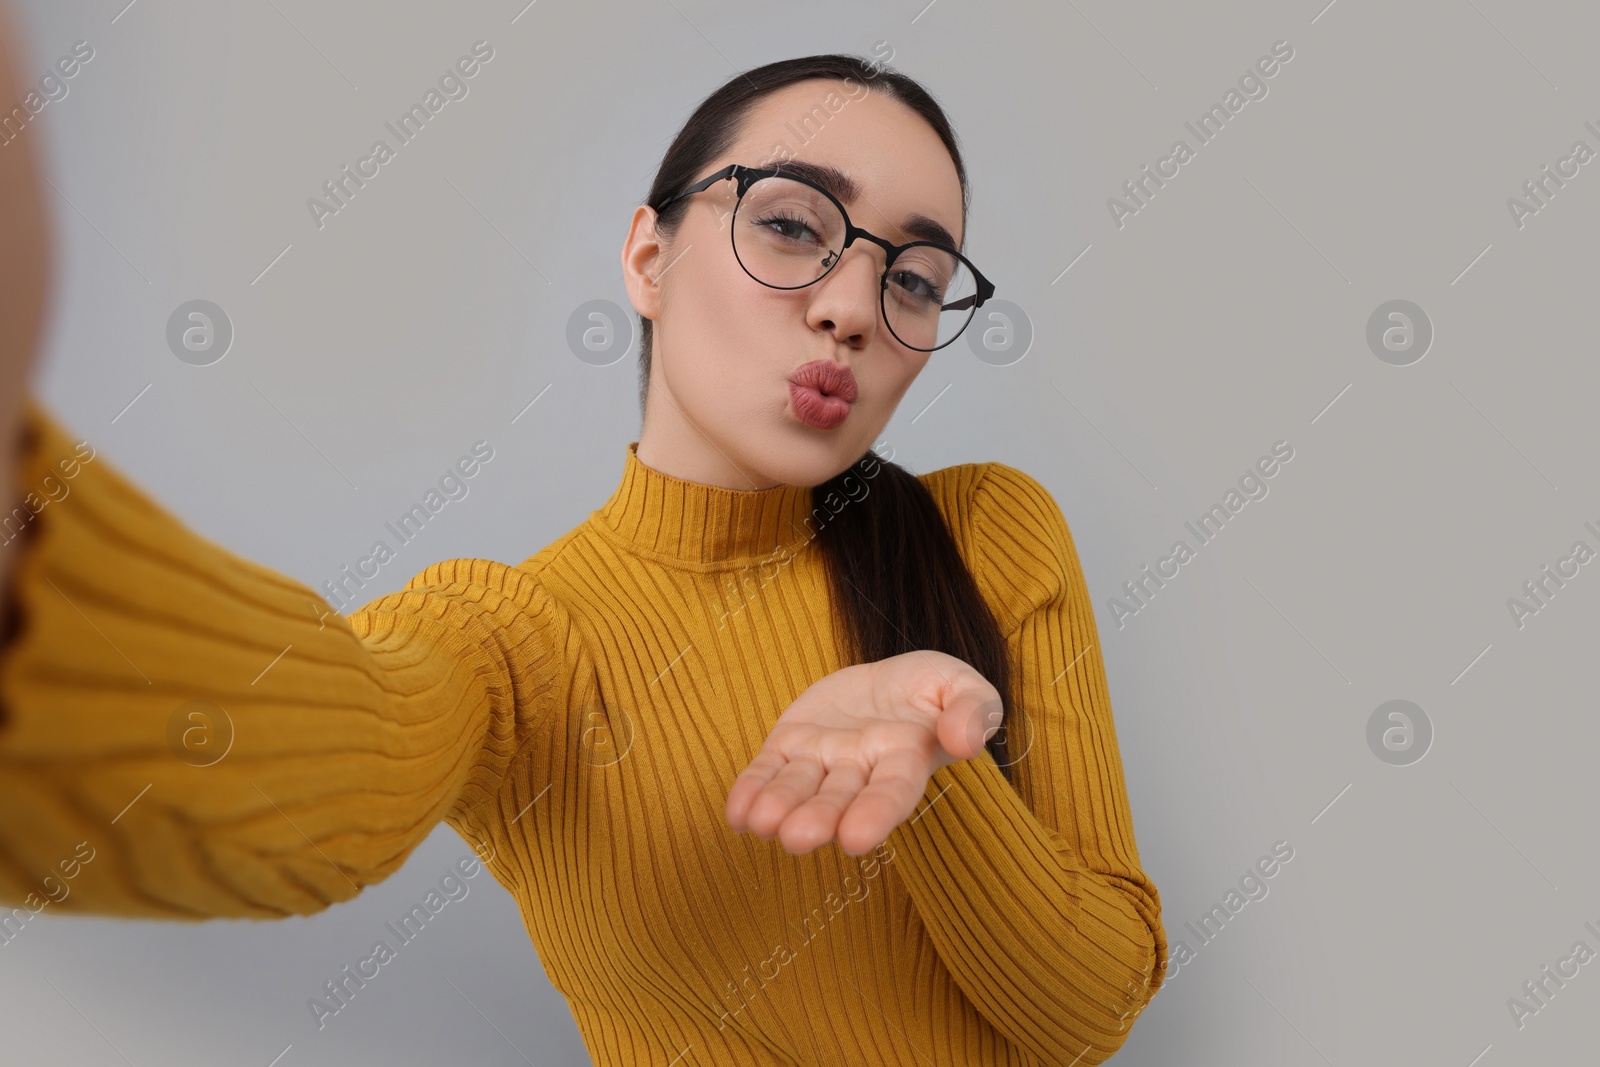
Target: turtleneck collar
(656, 515)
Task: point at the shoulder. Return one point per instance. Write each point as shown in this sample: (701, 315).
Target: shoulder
(1013, 534)
(952, 491)
(535, 593)
(523, 582)
(497, 602)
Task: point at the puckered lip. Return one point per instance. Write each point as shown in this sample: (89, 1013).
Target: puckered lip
(833, 379)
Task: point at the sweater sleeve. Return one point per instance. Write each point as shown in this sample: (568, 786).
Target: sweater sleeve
(1034, 896)
(186, 734)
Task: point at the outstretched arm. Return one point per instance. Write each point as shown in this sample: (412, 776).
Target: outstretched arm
(184, 733)
(221, 740)
(1034, 897)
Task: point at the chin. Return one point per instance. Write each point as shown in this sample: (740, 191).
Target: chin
(836, 454)
(797, 455)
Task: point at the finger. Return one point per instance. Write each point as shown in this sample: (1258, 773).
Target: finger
(749, 784)
(813, 823)
(898, 782)
(972, 712)
(792, 786)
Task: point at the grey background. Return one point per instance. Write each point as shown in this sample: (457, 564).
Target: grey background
(1229, 313)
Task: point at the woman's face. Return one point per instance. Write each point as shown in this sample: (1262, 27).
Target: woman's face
(719, 409)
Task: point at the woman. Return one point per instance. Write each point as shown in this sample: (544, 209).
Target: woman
(766, 627)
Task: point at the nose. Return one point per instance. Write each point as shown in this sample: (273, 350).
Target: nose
(845, 301)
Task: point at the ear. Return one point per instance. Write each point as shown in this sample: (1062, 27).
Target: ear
(642, 254)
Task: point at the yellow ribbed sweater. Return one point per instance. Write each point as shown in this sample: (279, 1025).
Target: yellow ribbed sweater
(579, 718)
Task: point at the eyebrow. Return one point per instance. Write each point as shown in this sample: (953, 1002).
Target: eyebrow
(847, 189)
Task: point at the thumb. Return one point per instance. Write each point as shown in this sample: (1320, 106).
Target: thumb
(970, 714)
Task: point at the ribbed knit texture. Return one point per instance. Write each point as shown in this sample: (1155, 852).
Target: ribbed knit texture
(583, 715)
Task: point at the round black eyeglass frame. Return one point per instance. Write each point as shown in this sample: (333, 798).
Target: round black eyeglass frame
(747, 176)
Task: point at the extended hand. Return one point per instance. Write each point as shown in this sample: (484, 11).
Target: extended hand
(851, 757)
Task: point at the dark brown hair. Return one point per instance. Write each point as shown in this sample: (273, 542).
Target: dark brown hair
(897, 579)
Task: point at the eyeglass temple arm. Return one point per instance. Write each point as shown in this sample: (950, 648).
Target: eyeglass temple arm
(985, 291)
(722, 175)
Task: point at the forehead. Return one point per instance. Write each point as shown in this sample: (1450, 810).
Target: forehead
(897, 171)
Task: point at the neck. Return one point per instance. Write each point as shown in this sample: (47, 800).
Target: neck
(670, 443)
(698, 524)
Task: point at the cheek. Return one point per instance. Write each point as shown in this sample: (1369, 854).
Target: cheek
(885, 375)
(714, 305)
(895, 372)
(727, 343)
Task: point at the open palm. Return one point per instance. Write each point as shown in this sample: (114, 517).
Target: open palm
(851, 757)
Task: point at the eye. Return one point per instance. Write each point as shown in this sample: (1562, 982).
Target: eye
(915, 285)
(785, 226)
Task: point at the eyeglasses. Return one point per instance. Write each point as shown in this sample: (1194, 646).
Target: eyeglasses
(789, 232)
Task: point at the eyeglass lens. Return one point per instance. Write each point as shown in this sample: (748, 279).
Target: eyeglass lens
(787, 234)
